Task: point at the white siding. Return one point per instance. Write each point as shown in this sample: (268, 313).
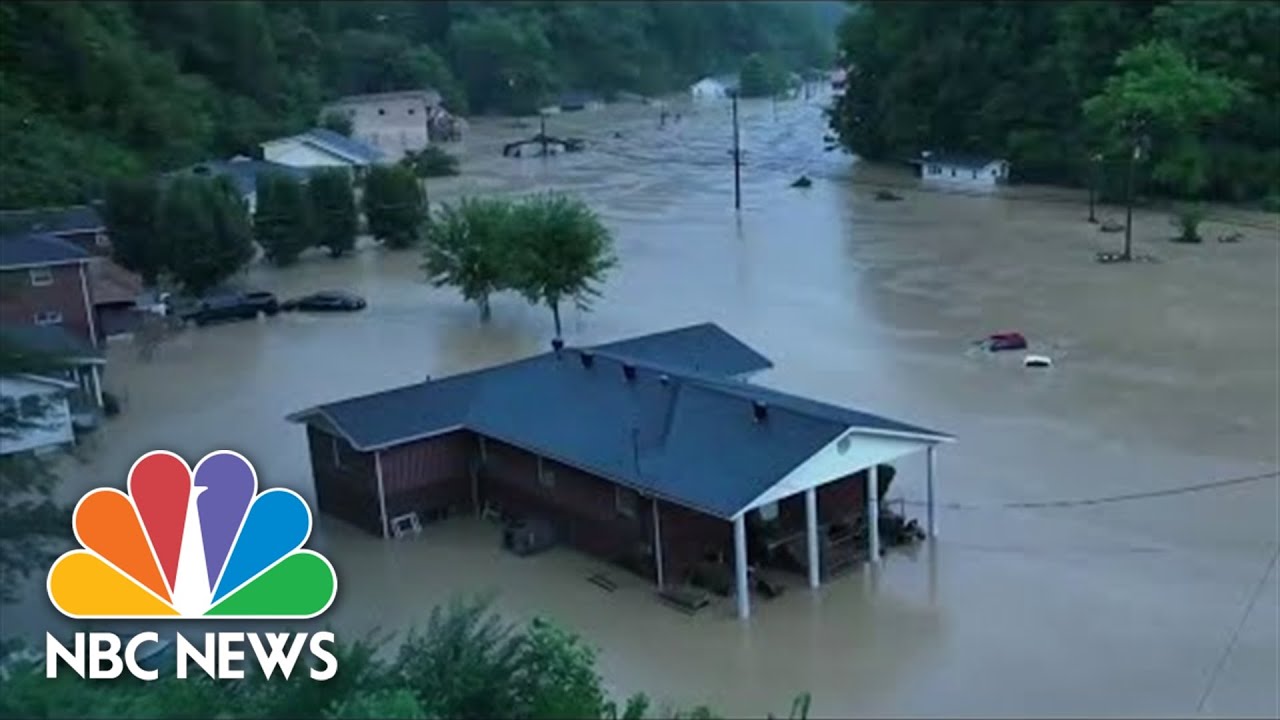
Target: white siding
(987, 176)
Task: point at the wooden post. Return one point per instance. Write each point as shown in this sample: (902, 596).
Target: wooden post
(657, 544)
(382, 493)
(737, 158)
(931, 457)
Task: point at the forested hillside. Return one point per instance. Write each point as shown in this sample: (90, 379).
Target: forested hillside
(1200, 80)
(96, 89)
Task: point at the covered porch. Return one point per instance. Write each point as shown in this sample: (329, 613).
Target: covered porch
(817, 517)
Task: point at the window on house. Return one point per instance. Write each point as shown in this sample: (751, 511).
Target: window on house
(953, 172)
(995, 173)
(410, 111)
(40, 276)
(48, 317)
(935, 170)
(975, 174)
(8, 411)
(382, 111)
(101, 240)
(546, 476)
(625, 501)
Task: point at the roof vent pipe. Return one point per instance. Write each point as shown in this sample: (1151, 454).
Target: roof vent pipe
(557, 345)
(587, 358)
(629, 371)
(759, 410)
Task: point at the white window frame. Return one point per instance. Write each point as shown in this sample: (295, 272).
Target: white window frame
(622, 508)
(40, 276)
(546, 476)
(48, 317)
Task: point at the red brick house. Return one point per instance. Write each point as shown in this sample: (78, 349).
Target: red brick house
(45, 281)
(654, 452)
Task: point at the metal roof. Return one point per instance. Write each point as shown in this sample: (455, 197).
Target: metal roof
(34, 250)
(242, 172)
(343, 145)
(54, 220)
(961, 160)
(688, 436)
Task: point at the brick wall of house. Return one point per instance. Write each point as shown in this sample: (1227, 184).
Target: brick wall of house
(64, 295)
(430, 476)
(346, 489)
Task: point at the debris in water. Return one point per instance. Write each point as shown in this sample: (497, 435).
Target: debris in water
(1037, 361)
(802, 182)
(1234, 237)
(1111, 226)
(887, 196)
(997, 342)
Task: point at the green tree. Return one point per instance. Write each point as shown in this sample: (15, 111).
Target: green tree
(431, 161)
(564, 252)
(468, 247)
(504, 61)
(760, 77)
(337, 122)
(282, 218)
(130, 216)
(333, 205)
(1158, 92)
(207, 227)
(393, 205)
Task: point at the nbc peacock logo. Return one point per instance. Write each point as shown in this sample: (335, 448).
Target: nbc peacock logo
(189, 543)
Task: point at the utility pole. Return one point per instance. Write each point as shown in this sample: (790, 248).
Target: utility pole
(737, 159)
(1093, 184)
(542, 131)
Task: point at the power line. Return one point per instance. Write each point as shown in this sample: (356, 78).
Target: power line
(1037, 504)
(1235, 634)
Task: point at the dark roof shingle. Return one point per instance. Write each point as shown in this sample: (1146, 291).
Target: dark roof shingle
(25, 250)
(54, 220)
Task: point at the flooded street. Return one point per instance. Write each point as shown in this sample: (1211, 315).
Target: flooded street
(1165, 376)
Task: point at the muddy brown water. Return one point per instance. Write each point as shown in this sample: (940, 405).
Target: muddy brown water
(1165, 375)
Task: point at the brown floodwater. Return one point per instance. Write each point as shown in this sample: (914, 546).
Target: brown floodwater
(1165, 375)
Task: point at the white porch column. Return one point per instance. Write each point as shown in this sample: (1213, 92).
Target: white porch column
(933, 515)
(657, 543)
(811, 534)
(97, 385)
(740, 565)
(873, 514)
(382, 494)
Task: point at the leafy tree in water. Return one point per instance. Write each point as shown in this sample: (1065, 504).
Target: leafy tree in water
(333, 205)
(563, 254)
(1159, 92)
(468, 247)
(393, 205)
(207, 227)
(760, 77)
(130, 216)
(282, 219)
(337, 122)
(431, 161)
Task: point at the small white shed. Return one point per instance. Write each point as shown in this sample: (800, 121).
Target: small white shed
(974, 171)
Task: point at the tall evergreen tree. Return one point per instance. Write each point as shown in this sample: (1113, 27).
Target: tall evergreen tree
(207, 227)
(282, 218)
(333, 207)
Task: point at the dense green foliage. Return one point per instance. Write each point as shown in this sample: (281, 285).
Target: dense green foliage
(130, 216)
(466, 663)
(468, 247)
(95, 90)
(549, 248)
(1015, 79)
(282, 222)
(393, 205)
(333, 206)
(563, 254)
(206, 232)
(432, 161)
(761, 77)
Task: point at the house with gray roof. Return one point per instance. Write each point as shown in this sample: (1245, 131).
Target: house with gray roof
(243, 172)
(962, 170)
(655, 452)
(79, 224)
(320, 147)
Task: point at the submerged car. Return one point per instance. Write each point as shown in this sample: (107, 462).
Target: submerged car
(233, 306)
(326, 301)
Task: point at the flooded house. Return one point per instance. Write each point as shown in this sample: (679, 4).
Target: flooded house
(656, 452)
(322, 148)
(398, 122)
(962, 170)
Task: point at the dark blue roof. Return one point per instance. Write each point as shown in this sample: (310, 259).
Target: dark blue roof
(54, 220)
(705, 348)
(343, 144)
(687, 436)
(243, 172)
(27, 249)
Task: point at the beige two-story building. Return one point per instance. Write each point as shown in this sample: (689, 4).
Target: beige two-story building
(393, 122)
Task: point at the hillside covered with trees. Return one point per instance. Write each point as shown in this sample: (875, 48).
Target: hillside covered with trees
(1049, 85)
(90, 90)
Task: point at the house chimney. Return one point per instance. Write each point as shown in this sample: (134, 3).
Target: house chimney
(557, 345)
(759, 410)
(588, 358)
(629, 371)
